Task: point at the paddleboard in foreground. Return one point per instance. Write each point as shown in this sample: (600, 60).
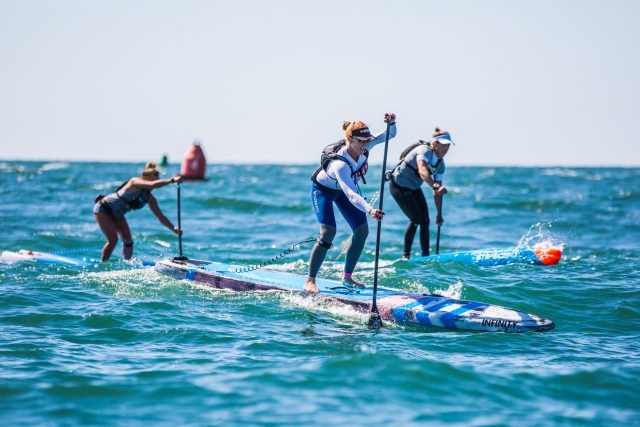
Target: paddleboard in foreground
(541, 254)
(421, 310)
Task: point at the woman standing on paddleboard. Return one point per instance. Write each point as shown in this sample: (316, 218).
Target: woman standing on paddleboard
(336, 181)
(133, 194)
(421, 162)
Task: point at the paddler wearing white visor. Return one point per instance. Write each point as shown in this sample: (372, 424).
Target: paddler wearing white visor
(422, 162)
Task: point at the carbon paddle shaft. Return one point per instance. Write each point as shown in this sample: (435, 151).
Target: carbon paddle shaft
(439, 225)
(375, 322)
(179, 224)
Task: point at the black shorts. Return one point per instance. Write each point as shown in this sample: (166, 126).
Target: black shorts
(412, 202)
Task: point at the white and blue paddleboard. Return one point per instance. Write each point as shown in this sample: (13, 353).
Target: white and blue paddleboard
(422, 310)
(25, 255)
(42, 257)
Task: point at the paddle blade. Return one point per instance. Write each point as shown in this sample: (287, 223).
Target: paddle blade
(375, 321)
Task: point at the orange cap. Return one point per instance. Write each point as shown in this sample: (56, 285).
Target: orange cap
(357, 129)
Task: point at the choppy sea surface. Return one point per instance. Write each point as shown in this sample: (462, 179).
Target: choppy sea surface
(118, 344)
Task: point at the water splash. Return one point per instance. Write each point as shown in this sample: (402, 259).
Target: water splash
(562, 172)
(162, 243)
(341, 312)
(132, 283)
(52, 167)
(109, 185)
(454, 290)
(540, 234)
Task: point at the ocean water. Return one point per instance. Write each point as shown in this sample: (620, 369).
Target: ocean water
(118, 344)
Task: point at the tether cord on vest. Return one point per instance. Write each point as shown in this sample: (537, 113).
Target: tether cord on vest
(271, 261)
(375, 322)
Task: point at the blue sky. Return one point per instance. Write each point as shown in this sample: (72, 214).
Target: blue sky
(516, 82)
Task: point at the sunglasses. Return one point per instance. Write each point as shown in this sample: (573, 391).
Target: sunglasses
(362, 140)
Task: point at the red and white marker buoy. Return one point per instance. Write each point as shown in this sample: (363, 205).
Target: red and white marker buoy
(194, 163)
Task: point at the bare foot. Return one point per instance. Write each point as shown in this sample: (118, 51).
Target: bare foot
(405, 257)
(310, 286)
(350, 281)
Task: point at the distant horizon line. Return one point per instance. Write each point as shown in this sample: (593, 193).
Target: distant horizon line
(506, 165)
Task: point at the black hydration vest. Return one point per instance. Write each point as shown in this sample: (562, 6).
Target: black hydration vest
(330, 152)
(134, 204)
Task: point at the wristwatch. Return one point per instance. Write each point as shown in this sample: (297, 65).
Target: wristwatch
(435, 186)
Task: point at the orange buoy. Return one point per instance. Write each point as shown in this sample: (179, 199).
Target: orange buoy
(194, 163)
(548, 255)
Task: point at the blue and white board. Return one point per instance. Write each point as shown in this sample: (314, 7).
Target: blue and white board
(25, 255)
(422, 310)
(42, 257)
(538, 255)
